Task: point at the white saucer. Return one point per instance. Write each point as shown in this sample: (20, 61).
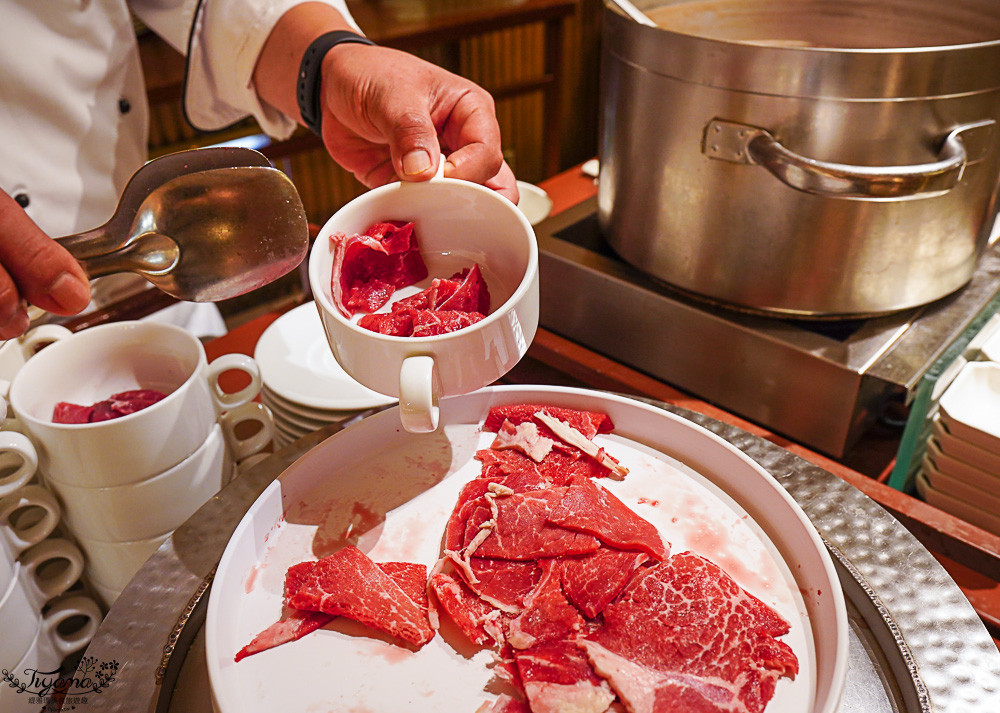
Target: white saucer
(316, 414)
(293, 421)
(296, 363)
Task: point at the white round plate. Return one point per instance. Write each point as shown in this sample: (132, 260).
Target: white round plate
(292, 418)
(534, 202)
(390, 492)
(296, 363)
(317, 414)
(291, 433)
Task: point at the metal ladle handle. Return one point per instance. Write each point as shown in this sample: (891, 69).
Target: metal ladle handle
(741, 143)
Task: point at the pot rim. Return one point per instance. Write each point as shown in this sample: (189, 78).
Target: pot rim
(806, 72)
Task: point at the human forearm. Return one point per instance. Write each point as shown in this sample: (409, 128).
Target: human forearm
(276, 73)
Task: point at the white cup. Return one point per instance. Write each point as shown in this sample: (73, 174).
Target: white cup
(15, 352)
(456, 223)
(113, 564)
(21, 619)
(93, 364)
(18, 461)
(47, 569)
(28, 516)
(46, 652)
(232, 422)
(152, 506)
(35, 566)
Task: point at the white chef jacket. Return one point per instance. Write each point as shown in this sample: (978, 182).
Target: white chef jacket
(73, 110)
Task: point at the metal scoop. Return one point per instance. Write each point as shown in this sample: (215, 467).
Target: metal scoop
(202, 225)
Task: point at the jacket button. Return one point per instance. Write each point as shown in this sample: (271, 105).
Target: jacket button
(124, 106)
(22, 199)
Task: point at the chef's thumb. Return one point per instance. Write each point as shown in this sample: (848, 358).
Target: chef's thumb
(413, 144)
(42, 271)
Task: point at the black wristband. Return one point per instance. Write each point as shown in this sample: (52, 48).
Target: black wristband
(308, 89)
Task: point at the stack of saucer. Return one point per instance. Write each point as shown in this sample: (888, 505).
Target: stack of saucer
(302, 383)
(961, 468)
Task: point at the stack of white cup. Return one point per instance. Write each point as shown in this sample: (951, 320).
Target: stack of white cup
(125, 484)
(40, 623)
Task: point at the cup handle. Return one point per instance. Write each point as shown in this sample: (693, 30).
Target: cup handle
(67, 644)
(246, 447)
(239, 362)
(48, 551)
(29, 496)
(21, 447)
(418, 394)
(41, 335)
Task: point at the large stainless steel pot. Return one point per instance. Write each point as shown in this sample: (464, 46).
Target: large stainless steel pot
(802, 157)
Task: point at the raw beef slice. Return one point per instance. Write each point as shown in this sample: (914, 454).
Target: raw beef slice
(347, 583)
(522, 530)
(367, 268)
(588, 423)
(410, 577)
(587, 507)
(593, 580)
(547, 615)
(115, 406)
(558, 678)
(684, 636)
(476, 618)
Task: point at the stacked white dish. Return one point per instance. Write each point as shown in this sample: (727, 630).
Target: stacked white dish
(961, 467)
(302, 383)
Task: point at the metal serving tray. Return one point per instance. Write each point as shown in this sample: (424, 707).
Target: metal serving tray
(917, 645)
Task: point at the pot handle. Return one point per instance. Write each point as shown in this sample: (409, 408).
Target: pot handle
(742, 143)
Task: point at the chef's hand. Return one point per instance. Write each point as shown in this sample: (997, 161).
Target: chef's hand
(34, 268)
(387, 114)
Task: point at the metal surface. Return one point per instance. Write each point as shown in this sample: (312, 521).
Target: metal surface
(916, 643)
(827, 82)
(821, 384)
(749, 145)
(201, 230)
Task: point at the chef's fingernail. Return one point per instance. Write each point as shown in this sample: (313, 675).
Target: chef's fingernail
(70, 292)
(416, 162)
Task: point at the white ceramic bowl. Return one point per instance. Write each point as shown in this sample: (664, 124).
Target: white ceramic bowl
(95, 363)
(970, 406)
(113, 564)
(152, 506)
(456, 223)
(956, 506)
(534, 202)
(958, 486)
(966, 451)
